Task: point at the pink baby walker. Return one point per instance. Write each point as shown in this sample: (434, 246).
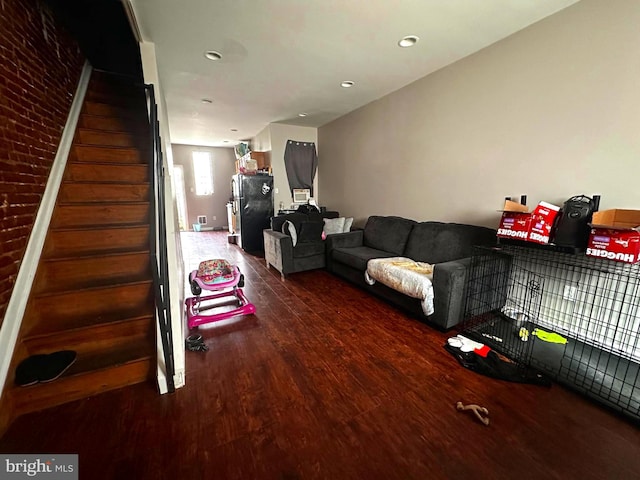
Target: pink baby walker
(220, 276)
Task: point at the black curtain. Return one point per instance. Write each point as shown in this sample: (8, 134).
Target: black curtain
(301, 162)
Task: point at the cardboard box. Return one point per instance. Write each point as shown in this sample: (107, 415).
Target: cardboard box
(615, 235)
(517, 223)
(514, 225)
(542, 220)
(259, 157)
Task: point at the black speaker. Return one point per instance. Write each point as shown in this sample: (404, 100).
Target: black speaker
(572, 228)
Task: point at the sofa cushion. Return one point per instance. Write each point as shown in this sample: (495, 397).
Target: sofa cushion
(348, 222)
(310, 232)
(389, 234)
(357, 257)
(422, 242)
(333, 225)
(436, 242)
(308, 249)
(288, 228)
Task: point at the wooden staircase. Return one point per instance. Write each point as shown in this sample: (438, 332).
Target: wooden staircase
(93, 292)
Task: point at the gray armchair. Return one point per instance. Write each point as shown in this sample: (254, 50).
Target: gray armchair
(309, 251)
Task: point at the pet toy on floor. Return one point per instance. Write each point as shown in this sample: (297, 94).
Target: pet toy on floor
(481, 413)
(219, 276)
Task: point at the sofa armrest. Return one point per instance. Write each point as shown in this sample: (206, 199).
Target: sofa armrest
(278, 251)
(354, 238)
(449, 290)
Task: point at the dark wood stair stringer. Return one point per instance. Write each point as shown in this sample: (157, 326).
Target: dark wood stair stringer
(93, 292)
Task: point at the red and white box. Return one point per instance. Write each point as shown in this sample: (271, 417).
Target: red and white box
(615, 235)
(542, 220)
(517, 223)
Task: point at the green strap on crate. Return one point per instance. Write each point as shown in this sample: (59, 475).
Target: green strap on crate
(549, 336)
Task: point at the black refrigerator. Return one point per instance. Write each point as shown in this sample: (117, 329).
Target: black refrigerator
(253, 208)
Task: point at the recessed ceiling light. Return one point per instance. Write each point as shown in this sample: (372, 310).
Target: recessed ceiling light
(347, 84)
(408, 41)
(206, 100)
(234, 129)
(302, 114)
(213, 55)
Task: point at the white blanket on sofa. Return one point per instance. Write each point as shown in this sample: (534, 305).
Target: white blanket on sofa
(404, 275)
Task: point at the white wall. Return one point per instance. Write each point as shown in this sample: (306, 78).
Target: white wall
(223, 160)
(262, 141)
(552, 111)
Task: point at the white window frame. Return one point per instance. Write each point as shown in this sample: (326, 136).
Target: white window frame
(202, 173)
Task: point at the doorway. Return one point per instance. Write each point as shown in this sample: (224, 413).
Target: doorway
(181, 199)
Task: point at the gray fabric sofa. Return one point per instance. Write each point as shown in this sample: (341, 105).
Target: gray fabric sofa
(447, 246)
(309, 251)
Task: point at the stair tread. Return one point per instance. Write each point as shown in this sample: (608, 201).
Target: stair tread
(83, 323)
(107, 164)
(102, 204)
(104, 182)
(110, 154)
(110, 132)
(132, 108)
(100, 227)
(70, 388)
(97, 115)
(128, 352)
(136, 127)
(110, 147)
(97, 254)
(97, 287)
(98, 182)
(118, 97)
(97, 283)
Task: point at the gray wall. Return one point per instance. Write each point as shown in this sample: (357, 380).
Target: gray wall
(209, 205)
(274, 138)
(552, 111)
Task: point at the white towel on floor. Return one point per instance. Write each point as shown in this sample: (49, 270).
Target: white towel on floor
(464, 344)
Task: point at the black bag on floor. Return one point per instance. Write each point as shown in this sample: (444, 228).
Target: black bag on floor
(492, 366)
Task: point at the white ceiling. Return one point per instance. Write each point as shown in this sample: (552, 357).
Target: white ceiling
(285, 57)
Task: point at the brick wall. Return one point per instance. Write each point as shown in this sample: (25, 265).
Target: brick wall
(40, 65)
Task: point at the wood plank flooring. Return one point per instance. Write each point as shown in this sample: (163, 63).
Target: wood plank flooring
(326, 382)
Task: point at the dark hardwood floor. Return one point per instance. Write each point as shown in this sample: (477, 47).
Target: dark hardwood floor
(327, 382)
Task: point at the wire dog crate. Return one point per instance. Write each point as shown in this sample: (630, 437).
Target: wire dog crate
(573, 317)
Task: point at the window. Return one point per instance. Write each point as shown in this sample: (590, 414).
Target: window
(203, 173)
